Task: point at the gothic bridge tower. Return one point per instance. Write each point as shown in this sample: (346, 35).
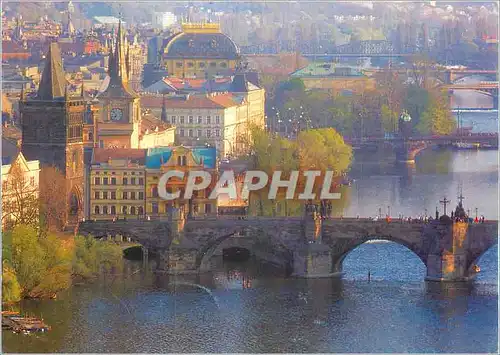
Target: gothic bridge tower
(52, 130)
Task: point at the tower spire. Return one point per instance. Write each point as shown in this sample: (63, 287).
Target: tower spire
(53, 82)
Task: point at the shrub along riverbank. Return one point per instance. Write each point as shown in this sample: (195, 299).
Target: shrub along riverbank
(40, 266)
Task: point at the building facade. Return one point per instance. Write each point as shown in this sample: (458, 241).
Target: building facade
(52, 130)
(20, 189)
(200, 50)
(117, 184)
(161, 160)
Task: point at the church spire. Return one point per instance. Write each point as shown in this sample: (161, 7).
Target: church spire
(53, 82)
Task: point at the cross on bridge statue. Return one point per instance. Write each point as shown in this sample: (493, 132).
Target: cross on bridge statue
(445, 201)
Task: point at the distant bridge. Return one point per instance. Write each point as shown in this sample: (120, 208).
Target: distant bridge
(372, 48)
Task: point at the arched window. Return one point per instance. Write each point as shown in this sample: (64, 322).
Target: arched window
(141, 210)
(91, 136)
(132, 210)
(124, 209)
(179, 160)
(97, 210)
(113, 210)
(105, 210)
(184, 160)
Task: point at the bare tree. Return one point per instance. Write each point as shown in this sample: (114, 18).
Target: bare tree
(53, 198)
(20, 200)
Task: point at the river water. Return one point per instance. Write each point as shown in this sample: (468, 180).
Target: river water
(247, 308)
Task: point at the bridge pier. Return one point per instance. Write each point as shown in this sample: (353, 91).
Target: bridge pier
(448, 261)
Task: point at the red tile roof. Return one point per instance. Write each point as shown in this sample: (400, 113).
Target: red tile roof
(103, 155)
(150, 122)
(191, 102)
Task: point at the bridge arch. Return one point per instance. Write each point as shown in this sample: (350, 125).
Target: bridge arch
(474, 258)
(338, 258)
(279, 253)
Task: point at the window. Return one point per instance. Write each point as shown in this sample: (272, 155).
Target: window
(173, 120)
(208, 208)
(141, 181)
(154, 191)
(182, 119)
(199, 133)
(141, 195)
(182, 133)
(113, 209)
(154, 207)
(32, 181)
(125, 181)
(141, 210)
(223, 65)
(132, 210)
(217, 132)
(104, 195)
(201, 65)
(132, 195)
(196, 208)
(105, 181)
(105, 210)
(97, 181)
(208, 120)
(200, 119)
(113, 181)
(213, 64)
(125, 195)
(190, 133)
(132, 181)
(208, 133)
(113, 195)
(91, 136)
(124, 209)
(191, 119)
(96, 210)
(96, 195)
(190, 64)
(178, 64)
(217, 119)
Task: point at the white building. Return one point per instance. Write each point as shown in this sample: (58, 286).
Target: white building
(20, 188)
(164, 19)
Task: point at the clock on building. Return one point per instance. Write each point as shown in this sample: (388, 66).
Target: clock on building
(116, 114)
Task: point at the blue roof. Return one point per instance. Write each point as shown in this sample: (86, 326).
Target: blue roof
(155, 156)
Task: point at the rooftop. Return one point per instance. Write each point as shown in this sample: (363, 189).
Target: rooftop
(155, 157)
(104, 155)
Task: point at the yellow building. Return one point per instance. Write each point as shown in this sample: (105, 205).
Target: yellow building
(200, 50)
(117, 184)
(161, 160)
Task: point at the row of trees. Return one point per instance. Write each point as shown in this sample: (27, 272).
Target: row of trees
(314, 149)
(369, 113)
(41, 266)
(37, 262)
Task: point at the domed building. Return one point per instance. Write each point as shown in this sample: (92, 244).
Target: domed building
(201, 50)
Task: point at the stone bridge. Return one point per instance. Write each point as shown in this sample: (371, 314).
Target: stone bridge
(305, 246)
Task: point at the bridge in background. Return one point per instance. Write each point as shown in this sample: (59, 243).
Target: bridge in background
(308, 246)
(375, 48)
(407, 148)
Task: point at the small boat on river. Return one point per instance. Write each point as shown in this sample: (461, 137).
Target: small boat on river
(465, 146)
(23, 324)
